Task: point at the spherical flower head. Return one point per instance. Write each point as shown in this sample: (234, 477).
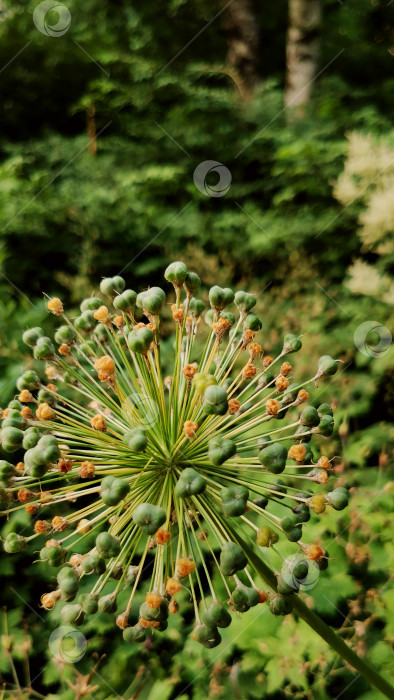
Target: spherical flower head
(149, 465)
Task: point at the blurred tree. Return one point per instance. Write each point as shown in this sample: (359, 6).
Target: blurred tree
(241, 33)
(302, 52)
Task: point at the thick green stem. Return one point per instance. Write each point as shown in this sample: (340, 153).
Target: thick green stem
(314, 621)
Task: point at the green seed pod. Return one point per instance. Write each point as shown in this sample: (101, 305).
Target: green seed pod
(176, 273)
(286, 587)
(324, 410)
(220, 297)
(15, 405)
(93, 564)
(234, 500)
(131, 575)
(209, 637)
(273, 457)
(252, 595)
(111, 286)
(244, 302)
(302, 511)
(220, 449)
(215, 401)
(196, 307)
(14, 420)
(117, 571)
(90, 304)
(301, 432)
(309, 417)
(7, 471)
(125, 301)
(251, 322)
(31, 336)
(35, 464)
(64, 334)
(291, 344)
(107, 603)
(113, 490)
(261, 501)
(216, 616)
(44, 349)
(339, 498)
(85, 322)
(45, 397)
(263, 442)
(54, 556)
(149, 517)
(68, 583)
(152, 300)
(88, 603)
(240, 599)
(28, 380)
(159, 614)
(326, 426)
(232, 558)
(292, 527)
(14, 543)
(202, 381)
(11, 439)
(280, 605)
(192, 283)
(88, 348)
(136, 439)
(72, 615)
(134, 634)
(101, 333)
(190, 483)
(140, 340)
(49, 449)
(266, 536)
(265, 379)
(326, 366)
(107, 545)
(278, 487)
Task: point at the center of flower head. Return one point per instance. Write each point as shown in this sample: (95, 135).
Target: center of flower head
(168, 483)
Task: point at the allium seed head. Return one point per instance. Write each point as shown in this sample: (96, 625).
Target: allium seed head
(179, 469)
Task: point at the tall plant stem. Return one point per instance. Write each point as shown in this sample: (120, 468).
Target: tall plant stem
(323, 630)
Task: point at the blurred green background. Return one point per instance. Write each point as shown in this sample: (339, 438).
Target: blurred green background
(104, 121)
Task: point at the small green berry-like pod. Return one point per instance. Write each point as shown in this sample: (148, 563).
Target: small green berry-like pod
(326, 366)
(54, 556)
(7, 471)
(324, 410)
(14, 543)
(136, 439)
(134, 634)
(251, 322)
(107, 603)
(68, 583)
(291, 343)
(111, 286)
(72, 614)
(125, 301)
(14, 420)
(154, 614)
(107, 545)
(220, 450)
(232, 558)
(326, 426)
(195, 308)
(244, 302)
(152, 300)
(215, 401)
(220, 297)
(209, 637)
(190, 483)
(280, 605)
(93, 564)
(140, 340)
(44, 349)
(339, 498)
(310, 417)
(191, 284)
(234, 500)
(176, 273)
(266, 536)
(11, 439)
(32, 335)
(202, 380)
(90, 304)
(273, 457)
(85, 322)
(64, 334)
(149, 517)
(216, 616)
(113, 490)
(88, 603)
(292, 527)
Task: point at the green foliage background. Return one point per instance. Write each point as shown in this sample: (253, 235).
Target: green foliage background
(284, 231)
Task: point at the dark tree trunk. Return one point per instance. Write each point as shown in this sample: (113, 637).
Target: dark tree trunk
(302, 51)
(241, 34)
